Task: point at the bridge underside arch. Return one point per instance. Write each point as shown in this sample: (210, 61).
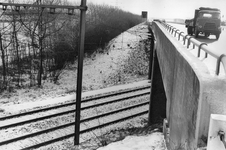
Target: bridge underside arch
(157, 107)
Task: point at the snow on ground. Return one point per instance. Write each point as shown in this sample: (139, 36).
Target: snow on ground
(100, 71)
(152, 141)
(51, 101)
(97, 73)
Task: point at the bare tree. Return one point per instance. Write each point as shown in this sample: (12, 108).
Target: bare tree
(15, 30)
(38, 25)
(5, 42)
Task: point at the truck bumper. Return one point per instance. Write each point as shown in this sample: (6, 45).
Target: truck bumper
(210, 31)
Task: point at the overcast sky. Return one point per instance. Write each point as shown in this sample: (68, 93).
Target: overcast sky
(164, 8)
(161, 8)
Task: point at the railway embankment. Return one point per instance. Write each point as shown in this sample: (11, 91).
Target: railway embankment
(115, 102)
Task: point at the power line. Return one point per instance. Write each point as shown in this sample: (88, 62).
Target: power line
(17, 6)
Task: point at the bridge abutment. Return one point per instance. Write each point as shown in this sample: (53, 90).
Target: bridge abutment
(157, 106)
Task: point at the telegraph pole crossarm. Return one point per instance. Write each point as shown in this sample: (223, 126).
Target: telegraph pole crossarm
(44, 6)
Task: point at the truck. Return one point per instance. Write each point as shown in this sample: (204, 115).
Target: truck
(206, 21)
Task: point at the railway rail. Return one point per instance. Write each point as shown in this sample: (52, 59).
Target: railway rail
(40, 127)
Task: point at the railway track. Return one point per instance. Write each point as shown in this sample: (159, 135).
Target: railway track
(40, 127)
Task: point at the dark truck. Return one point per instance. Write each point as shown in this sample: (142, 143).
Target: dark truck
(206, 21)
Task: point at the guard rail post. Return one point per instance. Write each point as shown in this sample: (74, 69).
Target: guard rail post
(218, 64)
(179, 35)
(185, 38)
(189, 41)
(199, 49)
(176, 32)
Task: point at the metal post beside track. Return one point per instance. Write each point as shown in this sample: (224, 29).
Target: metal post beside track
(79, 72)
(83, 9)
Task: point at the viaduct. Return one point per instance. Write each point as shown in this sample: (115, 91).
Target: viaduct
(185, 92)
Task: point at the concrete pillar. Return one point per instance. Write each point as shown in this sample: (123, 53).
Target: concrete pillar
(217, 132)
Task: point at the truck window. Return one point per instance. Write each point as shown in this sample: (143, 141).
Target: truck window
(216, 15)
(209, 15)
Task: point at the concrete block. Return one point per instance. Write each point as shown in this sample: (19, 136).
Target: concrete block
(166, 132)
(217, 125)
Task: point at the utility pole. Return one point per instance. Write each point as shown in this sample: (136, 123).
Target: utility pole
(79, 72)
(40, 10)
(82, 9)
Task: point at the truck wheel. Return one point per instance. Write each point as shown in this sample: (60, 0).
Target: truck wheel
(207, 35)
(189, 30)
(196, 33)
(217, 36)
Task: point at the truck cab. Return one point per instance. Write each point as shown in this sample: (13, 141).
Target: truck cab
(206, 21)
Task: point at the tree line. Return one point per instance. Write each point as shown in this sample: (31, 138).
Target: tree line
(37, 44)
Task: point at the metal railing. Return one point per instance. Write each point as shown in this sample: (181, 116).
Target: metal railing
(188, 40)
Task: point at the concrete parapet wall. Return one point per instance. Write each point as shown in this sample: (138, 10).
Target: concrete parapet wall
(192, 93)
